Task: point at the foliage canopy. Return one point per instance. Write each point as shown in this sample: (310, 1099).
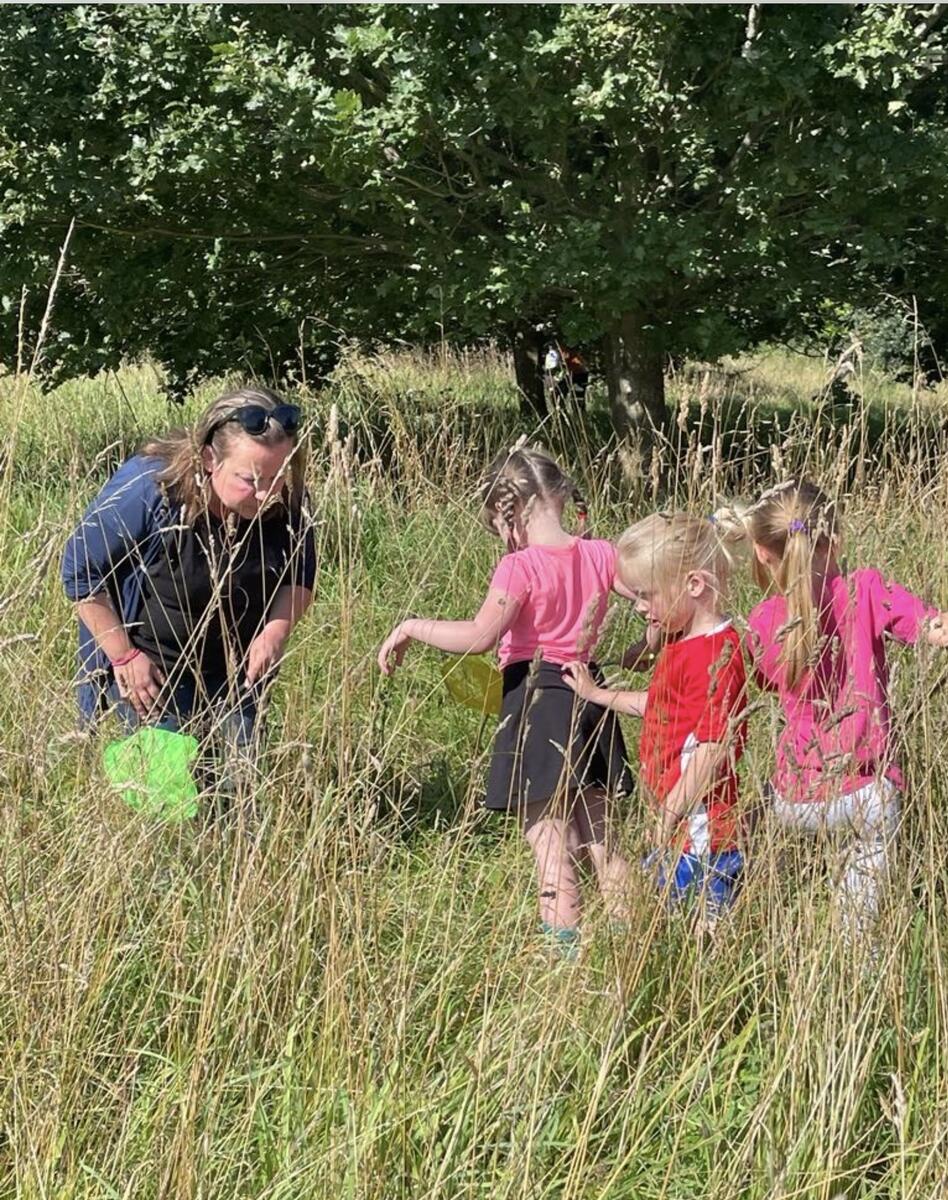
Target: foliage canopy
(253, 182)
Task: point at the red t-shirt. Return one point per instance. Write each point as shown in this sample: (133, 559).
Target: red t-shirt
(697, 689)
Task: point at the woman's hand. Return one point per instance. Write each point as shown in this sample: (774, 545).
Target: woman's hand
(139, 682)
(264, 654)
(578, 676)
(394, 647)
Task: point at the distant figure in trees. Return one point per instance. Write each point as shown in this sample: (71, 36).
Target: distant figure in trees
(565, 375)
(840, 391)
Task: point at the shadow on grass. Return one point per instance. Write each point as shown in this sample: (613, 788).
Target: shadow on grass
(436, 795)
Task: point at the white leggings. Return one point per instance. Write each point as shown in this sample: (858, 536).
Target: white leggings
(869, 820)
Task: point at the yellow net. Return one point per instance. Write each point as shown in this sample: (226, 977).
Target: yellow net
(473, 682)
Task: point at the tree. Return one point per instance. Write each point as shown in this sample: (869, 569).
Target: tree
(247, 180)
(677, 179)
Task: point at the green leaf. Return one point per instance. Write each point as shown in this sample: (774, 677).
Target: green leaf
(347, 103)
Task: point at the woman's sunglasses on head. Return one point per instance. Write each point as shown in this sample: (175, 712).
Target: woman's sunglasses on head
(255, 419)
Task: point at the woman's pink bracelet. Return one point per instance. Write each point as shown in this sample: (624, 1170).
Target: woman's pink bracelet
(126, 658)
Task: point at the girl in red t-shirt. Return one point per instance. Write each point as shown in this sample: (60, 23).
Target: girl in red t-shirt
(675, 568)
(557, 763)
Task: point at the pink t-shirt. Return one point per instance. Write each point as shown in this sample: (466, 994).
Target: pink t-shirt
(836, 738)
(563, 592)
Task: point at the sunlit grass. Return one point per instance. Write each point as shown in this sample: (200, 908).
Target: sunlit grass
(354, 1004)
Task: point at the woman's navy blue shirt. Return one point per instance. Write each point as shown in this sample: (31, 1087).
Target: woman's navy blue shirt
(122, 535)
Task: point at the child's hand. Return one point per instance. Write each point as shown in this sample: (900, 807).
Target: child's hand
(393, 648)
(937, 633)
(578, 676)
(668, 832)
(638, 656)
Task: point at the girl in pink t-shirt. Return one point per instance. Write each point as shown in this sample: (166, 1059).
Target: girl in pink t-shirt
(820, 643)
(557, 760)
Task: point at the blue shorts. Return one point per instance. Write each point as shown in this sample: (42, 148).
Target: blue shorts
(713, 879)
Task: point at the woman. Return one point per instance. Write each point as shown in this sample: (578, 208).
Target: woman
(191, 567)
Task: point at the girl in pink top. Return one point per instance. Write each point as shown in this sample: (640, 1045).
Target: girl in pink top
(820, 644)
(557, 760)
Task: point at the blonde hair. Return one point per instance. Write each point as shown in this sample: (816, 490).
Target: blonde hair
(667, 547)
(183, 478)
(794, 521)
(516, 480)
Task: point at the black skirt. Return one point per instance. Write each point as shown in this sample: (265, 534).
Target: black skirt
(550, 743)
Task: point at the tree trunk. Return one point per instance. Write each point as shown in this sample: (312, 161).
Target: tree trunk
(636, 380)
(527, 349)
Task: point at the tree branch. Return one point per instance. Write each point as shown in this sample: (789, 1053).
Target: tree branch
(364, 245)
(931, 21)
(752, 31)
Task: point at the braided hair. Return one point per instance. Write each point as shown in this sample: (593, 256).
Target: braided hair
(518, 479)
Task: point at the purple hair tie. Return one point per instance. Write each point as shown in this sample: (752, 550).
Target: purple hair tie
(798, 526)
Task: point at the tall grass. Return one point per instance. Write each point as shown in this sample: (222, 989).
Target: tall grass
(351, 1002)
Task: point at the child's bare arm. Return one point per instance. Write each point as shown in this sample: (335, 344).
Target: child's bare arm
(483, 632)
(633, 704)
(697, 779)
(578, 676)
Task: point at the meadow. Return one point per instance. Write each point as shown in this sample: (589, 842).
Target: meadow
(350, 999)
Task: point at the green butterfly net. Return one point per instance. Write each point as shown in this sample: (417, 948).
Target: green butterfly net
(152, 770)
